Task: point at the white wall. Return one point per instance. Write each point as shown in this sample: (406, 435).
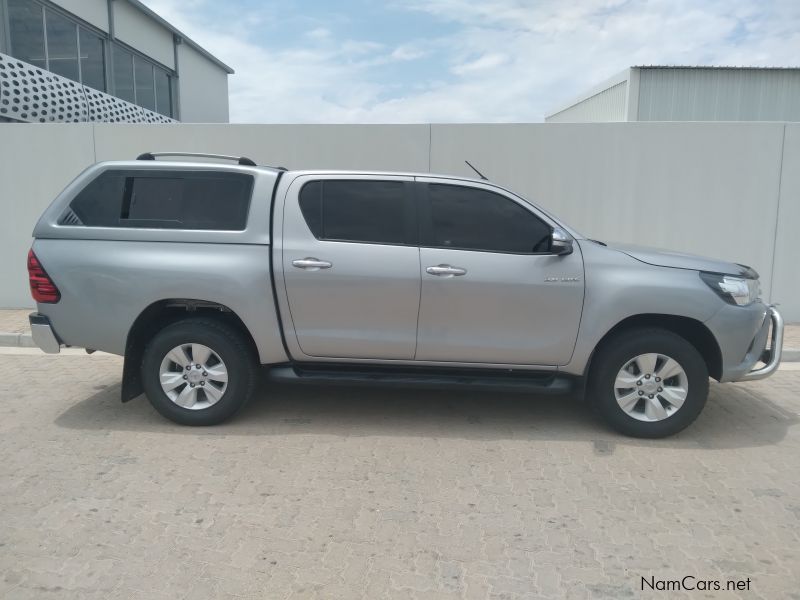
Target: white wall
(94, 12)
(141, 32)
(786, 268)
(719, 189)
(203, 88)
(36, 163)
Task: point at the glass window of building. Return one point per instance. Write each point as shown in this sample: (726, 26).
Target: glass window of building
(163, 93)
(50, 39)
(62, 45)
(93, 70)
(145, 88)
(123, 74)
(27, 32)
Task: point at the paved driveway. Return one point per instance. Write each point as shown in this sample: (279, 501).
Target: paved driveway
(313, 493)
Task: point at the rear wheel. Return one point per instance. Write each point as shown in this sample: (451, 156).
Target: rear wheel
(648, 383)
(198, 372)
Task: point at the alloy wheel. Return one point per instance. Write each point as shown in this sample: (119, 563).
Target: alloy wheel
(193, 376)
(651, 387)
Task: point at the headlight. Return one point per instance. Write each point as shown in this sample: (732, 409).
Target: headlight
(732, 289)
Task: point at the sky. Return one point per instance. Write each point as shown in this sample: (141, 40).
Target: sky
(445, 61)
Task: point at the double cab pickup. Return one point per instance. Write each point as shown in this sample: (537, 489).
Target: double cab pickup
(205, 270)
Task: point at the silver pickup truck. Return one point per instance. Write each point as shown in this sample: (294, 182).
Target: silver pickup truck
(201, 272)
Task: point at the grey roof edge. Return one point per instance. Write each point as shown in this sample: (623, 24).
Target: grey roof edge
(620, 77)
(161, 21)
(729, 67)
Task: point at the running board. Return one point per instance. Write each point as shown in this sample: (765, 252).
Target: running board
(474, 379)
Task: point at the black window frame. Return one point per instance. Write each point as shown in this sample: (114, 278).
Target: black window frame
(410, 222)
(426, 233)
(123, 222)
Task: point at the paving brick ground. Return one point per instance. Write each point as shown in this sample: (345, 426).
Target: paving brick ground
(14, 321)
(314, 493)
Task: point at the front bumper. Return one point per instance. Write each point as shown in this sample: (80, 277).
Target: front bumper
(43, 335)
(769, 354)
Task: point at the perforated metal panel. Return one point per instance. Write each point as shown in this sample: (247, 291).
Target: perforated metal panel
(148, 116)
(33, 95)
(30, 94)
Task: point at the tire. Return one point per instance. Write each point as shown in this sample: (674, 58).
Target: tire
(222, 385)
(628, 400)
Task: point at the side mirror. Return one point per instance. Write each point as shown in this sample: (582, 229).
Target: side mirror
(560, 242)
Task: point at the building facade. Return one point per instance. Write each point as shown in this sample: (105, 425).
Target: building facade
(688, 94)
(104, 60)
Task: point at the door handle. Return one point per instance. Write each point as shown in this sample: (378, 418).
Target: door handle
(311, 264)
(446, 271)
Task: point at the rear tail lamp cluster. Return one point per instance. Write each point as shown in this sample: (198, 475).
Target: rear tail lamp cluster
(42, 287)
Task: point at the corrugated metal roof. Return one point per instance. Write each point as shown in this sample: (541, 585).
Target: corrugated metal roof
(713, 67)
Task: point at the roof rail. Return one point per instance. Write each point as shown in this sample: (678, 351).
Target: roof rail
(242, 160)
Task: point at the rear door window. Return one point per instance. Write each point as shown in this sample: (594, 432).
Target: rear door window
(205, 200)
(364, 211)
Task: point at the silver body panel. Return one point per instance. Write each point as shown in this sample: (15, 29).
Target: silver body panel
(364, 306)
(504, 308)
(105, 285)
(379, 303)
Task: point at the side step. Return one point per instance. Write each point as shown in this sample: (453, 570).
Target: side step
(473, 379)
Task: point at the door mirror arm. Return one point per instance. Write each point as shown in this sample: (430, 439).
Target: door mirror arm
(560, 242)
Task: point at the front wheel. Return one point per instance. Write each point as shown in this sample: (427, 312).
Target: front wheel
(648, 383)
(198, 371)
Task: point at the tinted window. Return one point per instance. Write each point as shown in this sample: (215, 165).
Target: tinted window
(100, 202)
(356, 211)
(123, 74)
(62, 45)
(163, 92)
(93, 72)
(145, 90)
(474, 219)
(176, 201)
(27, 32)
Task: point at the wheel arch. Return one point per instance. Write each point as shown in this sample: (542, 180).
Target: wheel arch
(692, 330)
(158, 315)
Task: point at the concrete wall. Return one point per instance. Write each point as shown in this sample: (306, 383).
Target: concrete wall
(141, 32)
(202, 88)
(94, 12)
(719, 189)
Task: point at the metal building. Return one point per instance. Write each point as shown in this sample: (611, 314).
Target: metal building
(104, 61)
(653, 93)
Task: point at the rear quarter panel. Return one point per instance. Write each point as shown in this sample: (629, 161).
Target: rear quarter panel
(106, 284)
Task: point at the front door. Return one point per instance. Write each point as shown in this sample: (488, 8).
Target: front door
(492, 291)
(351, 267)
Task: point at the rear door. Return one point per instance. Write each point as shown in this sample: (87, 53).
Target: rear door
(492, 290)
(351, 266)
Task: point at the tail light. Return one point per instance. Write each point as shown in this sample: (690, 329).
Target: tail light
(42, 287)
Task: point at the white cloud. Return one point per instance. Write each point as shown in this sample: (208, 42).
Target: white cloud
(319, 33)
(509, 60)
(407, 52)
(484, 63)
